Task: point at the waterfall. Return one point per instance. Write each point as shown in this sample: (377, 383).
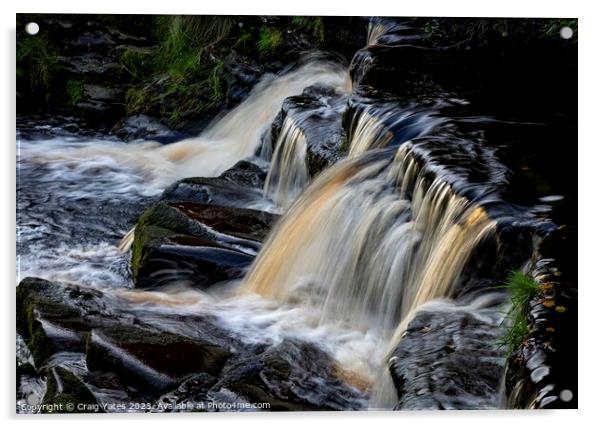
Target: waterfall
(288, 173)
(357, 247)
(372, 238)
(369, 133)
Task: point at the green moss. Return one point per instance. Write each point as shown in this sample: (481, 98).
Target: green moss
(136, 62)
(313, 25)
(146, 234)
(65, 389)
(215, 82)
(244, 39)
(269, 39)
(32, 305)
(31, 329)
(136, 98)
(522, 289)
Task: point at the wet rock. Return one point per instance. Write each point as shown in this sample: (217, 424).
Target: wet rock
(200, 244)
(53, 318)
(191, 395)
(318, 112)
(68, 393)
(290, 376)
(448, 359)
(542, 370)
(155, 359)
(246, 174)
(239, 186)
(201, 231)
(142, 126)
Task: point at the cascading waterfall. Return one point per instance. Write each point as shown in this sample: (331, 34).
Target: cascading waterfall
(288, 173)
(356, 246)
(370, 132)
(372, 239)
(358, 252)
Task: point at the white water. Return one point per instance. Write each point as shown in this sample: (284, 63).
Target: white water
(288, 173)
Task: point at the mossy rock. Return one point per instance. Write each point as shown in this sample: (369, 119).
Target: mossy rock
(151, 359)
(44, 322)
(54, 317)
(65, 391)
(195, 232)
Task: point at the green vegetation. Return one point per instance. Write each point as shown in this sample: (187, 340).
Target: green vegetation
(75, 91)
(522, 289)
(313, 25)
(36, 61)
(269, 39)
(64, 387)
(182, 77)
(185, 72)
(135, 61)
(215, 83)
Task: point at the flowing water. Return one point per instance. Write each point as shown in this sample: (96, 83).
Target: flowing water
(364, 246)
(288, 173)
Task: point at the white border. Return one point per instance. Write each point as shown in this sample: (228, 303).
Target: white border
(590, 143)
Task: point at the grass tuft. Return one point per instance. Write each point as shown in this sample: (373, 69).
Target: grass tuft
(36, 61)
(269, 39)
(522, 289)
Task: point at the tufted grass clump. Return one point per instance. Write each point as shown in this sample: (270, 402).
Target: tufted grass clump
(36, 61)
(522, 289)
(269, 39)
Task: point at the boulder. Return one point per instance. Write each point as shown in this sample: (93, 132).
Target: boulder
(318, 113)
(142, 126)
(55, 318)
(200, 232)
(449, 358)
